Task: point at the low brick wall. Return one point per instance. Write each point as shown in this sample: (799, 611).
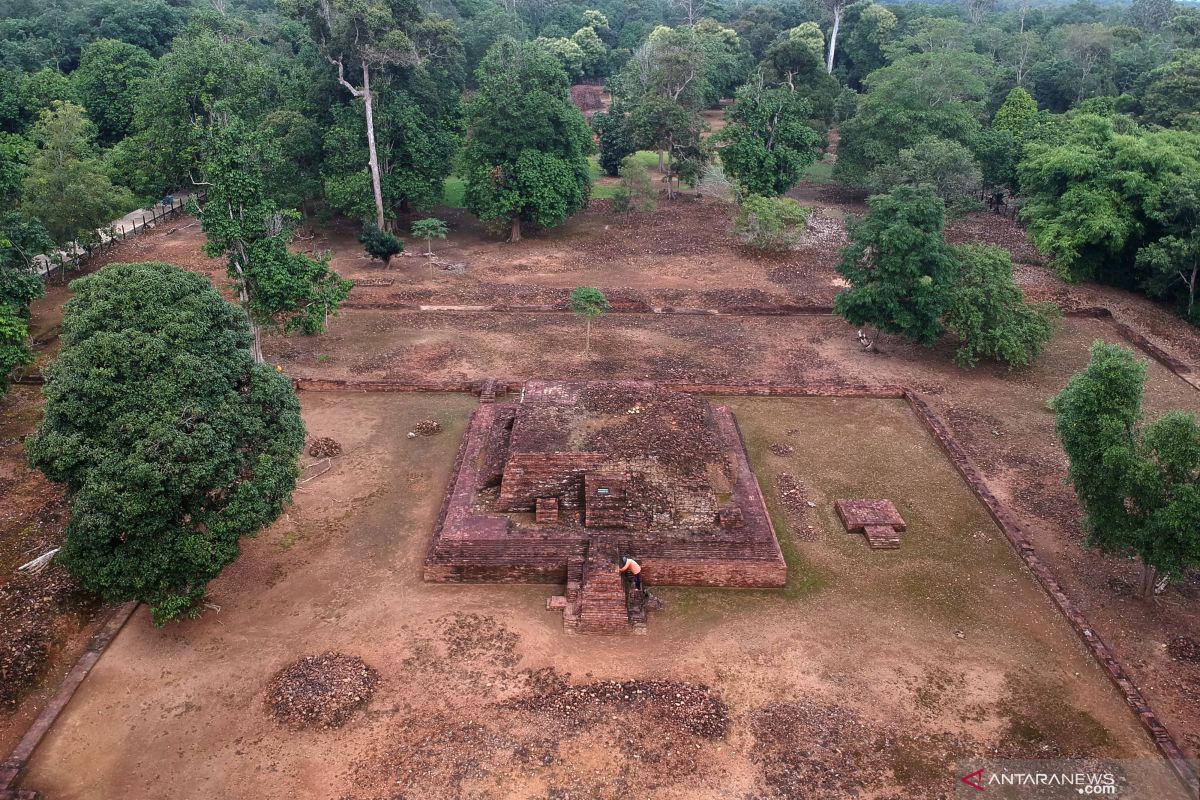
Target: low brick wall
(1103, 654)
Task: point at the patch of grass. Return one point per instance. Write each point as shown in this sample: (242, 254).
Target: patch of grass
(821, 172)
(454, 191)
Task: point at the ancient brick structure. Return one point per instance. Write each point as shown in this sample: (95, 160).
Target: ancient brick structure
(608, 468)
(878, 520)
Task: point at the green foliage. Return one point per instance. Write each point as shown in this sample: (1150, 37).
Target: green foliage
(945, 166)
(988, 312)
(527, 147)
(1097, 198)
(429, 229)
(20, 242)
(1172, 95)
(208, 74)
(566, 52)
(616, 141)
(275, 285)
(380, 244)
(172, 443)
(589, 304)
(900, 269)
(1139, 486)
(1018, 114)
(767, 143)
(636, 191)
(917, 96)
(66, 188)
(660, 123)
(770, 223)
(14, 344)
(105, 84)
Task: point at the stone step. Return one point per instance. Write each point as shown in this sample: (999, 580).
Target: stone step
(882, 537)
(602, 608)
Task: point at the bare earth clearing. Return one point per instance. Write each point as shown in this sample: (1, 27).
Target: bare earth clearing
(873, 671)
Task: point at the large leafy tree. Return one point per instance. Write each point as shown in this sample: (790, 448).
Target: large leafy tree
(275, 285)
(1172, 94)
(358, 37)
(935, 93)
(900, 269)
(1139, 485)
(767, 143)
(526, 157)
(988, 313)
(945, 166)
(106, 83)
(66, 187)
(1096, 198)
(172, 442)
(417, 136)
(214, 71)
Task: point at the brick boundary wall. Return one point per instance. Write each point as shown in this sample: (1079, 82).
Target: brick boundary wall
(1012, 530)
(19, 758)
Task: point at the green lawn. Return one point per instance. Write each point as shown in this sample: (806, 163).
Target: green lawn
(820, 172)
(454, 189)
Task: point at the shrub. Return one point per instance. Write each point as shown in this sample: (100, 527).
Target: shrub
(945, 166)
(770, 223)
(636, 191)
(380, 244)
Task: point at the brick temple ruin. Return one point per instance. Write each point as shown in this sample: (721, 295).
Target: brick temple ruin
(556, 485)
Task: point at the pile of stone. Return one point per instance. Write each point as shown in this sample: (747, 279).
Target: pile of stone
(320, 691)
(692, 708)
(324, 447)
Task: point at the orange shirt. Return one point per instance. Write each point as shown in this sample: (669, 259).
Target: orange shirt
(632, 566)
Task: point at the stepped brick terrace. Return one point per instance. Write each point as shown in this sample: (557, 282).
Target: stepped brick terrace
(553, 487)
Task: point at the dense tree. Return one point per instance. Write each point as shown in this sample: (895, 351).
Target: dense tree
(361, 36)
(105, 84)
(21, 241)
(527, 144)
(870, 28)
(947, 167)
(211, 74)
(14, 344)
(1172, 94)
(767, 142)
(1139, 485)
(662, 124)
(1115, 207)
(274, 285)
(988, 313)
(380, 244)
(899, 267)
(172, 442)
(615, 140)
(934, 93)
(66, 188)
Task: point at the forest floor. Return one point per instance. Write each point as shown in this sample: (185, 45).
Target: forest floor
(844, 664)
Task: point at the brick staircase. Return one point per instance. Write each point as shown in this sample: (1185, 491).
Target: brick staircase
(487, 393)
(595, 600)
(882, 537)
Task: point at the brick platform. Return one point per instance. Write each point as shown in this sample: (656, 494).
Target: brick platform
(878, 520)
(632, 468)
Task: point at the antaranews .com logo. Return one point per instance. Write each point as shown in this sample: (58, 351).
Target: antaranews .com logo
(1067, 779)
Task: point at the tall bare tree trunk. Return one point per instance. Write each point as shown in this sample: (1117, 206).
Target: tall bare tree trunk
(1149, 578)
(837, 23)
(373, 156)
(670, 176)
(514, 234)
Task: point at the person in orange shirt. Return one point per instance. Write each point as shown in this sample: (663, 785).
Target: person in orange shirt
(634, 569)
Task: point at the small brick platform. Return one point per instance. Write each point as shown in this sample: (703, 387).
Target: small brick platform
(606, 468)
(878, 520)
